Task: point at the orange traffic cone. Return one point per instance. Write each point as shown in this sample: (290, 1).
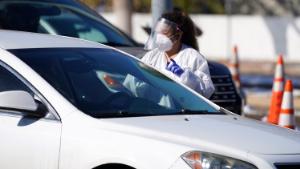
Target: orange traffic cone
(277, 92)
(234, 67)
(286, 117)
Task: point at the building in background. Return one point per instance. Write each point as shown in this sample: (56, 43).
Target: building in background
(244, 7)
(262, 28)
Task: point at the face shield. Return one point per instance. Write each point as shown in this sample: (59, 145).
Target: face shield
(162, 27)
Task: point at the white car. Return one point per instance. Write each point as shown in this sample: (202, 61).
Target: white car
(72, 104)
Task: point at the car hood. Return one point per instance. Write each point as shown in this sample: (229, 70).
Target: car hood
(225, 132)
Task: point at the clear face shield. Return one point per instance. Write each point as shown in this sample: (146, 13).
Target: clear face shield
(161, 34)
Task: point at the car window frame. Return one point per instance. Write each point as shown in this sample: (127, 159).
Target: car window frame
(214, 106)
(51, 114)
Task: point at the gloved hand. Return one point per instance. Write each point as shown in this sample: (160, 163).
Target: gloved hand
(174, 67)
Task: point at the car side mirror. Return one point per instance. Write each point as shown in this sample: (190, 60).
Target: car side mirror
(20, 101)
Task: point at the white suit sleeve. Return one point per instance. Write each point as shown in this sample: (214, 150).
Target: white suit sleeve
(148, 57)
(197, 76)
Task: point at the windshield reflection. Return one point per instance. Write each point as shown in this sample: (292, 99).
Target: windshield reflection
(106, 83)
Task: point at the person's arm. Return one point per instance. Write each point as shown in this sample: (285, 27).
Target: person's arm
(135, 85)
(198, 79)
(195, 74)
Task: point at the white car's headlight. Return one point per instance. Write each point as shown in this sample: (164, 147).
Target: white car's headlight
(204, 160)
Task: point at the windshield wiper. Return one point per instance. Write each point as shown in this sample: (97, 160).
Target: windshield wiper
(192, 112)
(118, 113)
(124, 113)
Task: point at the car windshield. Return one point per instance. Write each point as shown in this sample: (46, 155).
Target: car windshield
(59, 20)
(105, 83)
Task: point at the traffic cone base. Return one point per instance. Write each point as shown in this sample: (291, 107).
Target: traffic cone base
(287, 121)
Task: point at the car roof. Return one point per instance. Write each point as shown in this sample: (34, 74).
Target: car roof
(23, 40)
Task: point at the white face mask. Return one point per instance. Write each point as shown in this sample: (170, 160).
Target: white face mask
(163, 42)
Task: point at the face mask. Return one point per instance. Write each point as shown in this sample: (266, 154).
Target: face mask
(163, 42)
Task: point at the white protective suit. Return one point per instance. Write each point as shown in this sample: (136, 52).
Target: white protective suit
(196, 73)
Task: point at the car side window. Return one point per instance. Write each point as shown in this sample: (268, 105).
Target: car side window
(58, 20)
(9, 82)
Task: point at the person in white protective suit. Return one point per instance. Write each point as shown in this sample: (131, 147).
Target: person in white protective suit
(174, 51)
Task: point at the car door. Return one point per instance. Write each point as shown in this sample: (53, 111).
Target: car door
(27, 142)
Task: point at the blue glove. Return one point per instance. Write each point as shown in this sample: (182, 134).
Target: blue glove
(174, 67)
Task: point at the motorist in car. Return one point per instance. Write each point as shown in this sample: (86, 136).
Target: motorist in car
(174, 51)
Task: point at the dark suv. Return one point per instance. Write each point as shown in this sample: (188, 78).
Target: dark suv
(72, 18)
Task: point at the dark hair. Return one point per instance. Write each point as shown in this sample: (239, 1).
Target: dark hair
(186, 25)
